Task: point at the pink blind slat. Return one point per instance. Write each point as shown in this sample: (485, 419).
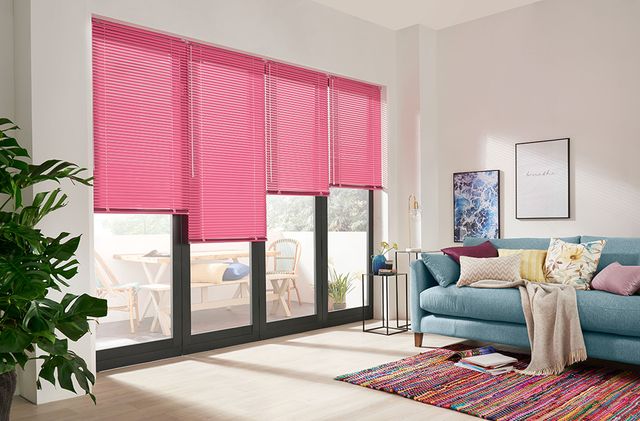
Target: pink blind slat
(228, 191)
(140, 113)
(356, 138)
(297, 131)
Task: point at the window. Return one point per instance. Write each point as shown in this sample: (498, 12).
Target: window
(141, 142)
(297, 131)
(290, 257)
(133, 259)
(228, 188)
(220, 286)
(356, 134)
(348, 225)
(208, 161)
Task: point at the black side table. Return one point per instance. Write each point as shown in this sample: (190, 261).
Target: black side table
(385, 328)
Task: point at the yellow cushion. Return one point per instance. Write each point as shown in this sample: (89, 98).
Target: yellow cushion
(531, 263)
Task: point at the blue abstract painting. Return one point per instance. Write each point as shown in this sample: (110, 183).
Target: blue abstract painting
(476, 205)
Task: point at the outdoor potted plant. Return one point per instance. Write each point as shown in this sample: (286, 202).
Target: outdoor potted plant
(34, 270)
(378, 261)
(340, 285)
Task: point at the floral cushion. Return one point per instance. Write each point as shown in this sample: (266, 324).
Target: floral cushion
(572, 264)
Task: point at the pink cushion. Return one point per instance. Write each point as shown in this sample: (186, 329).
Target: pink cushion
(618, 279)
(485, 249)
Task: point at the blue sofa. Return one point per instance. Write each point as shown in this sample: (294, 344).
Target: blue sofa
(610, 323)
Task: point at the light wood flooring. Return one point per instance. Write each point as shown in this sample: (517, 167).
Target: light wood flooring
(287, 378)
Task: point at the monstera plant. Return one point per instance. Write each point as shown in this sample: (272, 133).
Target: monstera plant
(35, 268)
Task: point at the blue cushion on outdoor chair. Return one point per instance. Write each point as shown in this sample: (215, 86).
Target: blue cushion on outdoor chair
(236, 271)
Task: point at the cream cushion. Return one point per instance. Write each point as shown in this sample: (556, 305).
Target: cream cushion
(210, 273)
(474, 269)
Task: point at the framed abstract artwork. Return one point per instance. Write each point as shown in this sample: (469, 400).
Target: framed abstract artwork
(476, 204)
(542, 179)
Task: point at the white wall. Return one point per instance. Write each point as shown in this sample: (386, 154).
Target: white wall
(416, 127)
(59, 79)
(416, 132)
(556, 68)
(7, 89)
(7, 106)
(408, 121)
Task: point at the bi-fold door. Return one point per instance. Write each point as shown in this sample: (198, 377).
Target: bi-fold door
(168, 297)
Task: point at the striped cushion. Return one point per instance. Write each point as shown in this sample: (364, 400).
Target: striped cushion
(531, 263)
(495, 268)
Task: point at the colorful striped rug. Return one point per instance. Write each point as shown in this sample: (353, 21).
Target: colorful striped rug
(582, 392)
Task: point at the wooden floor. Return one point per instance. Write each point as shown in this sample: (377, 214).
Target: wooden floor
(288, 378)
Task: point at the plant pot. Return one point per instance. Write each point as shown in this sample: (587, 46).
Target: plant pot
(377, 263)
(7, 389)
(339, 306)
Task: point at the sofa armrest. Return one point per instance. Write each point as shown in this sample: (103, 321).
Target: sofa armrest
(420, 280)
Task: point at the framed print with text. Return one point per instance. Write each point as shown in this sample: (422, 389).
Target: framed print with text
(542, 179)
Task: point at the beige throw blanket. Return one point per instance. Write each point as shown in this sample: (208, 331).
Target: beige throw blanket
(553, 324)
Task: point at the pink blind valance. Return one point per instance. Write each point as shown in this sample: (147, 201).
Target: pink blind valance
(297, 131)
(356, 134)
(140, 116)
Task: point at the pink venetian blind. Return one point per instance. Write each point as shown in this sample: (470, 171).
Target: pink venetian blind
(297, 131)
(228, 194)
(356, 138)
(140, 111)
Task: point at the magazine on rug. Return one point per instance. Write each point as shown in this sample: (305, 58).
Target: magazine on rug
(489, 361)
(457, 356)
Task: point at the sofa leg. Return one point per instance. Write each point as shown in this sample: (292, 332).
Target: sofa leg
(417, 338)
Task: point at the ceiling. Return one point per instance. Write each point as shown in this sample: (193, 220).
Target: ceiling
(435, 14)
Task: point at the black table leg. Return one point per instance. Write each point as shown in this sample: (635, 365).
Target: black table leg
(386, 282)
(363, 312)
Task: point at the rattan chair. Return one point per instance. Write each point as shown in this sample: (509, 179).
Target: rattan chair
(285, 265)
(110, 288)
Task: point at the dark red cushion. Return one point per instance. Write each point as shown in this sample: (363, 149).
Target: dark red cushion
(485, 249)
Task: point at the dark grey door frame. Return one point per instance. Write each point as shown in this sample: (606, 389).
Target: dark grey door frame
(182, 342)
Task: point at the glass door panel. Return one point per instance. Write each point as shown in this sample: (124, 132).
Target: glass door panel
(290, 257)
(133, 267)
(348, 224)
(220, 286)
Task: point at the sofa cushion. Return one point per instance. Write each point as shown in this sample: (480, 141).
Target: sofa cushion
(618, 279)
(484, 249)
(518, 243)
(442, 267)
(572, 264)
(599, 311)
(505, 268)
(531, 263)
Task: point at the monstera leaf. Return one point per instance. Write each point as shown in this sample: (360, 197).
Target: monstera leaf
(33, 265)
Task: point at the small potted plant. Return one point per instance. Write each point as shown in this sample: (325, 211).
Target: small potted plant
(34, 270)
(378, 261)
(340, 285)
